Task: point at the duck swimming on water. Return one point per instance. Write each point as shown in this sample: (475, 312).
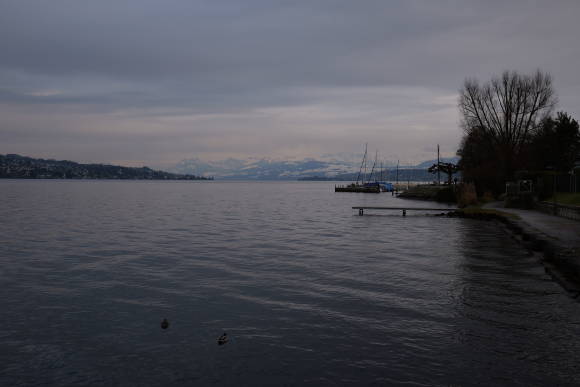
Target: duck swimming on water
(223, 339)
(164, 324)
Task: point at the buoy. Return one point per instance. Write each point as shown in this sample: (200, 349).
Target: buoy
(223, 339)
(164, 324)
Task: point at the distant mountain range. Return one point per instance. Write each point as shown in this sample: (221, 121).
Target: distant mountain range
(328, 167)
(343, 167)
(22, 167)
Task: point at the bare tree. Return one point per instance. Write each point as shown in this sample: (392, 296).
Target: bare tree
(507, 110)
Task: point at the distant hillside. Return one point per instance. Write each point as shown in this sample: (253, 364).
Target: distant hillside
(14, 166)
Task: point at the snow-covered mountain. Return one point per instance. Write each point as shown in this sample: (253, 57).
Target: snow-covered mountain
(265, 169)
(326, 166)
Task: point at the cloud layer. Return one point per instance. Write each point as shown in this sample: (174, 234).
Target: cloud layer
(152, 82)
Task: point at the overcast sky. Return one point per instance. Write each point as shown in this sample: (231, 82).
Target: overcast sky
(140, 82)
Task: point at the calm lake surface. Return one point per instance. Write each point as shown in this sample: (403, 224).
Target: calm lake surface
(308, 292)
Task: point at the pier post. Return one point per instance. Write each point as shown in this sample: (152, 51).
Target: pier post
(360, 212)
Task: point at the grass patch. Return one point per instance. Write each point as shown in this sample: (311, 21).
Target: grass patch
(566, 198)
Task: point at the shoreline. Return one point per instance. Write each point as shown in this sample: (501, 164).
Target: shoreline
(560, 258)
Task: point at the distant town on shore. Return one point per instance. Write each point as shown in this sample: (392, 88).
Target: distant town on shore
(13, 166)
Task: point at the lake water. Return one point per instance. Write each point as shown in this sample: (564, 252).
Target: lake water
(309, 292)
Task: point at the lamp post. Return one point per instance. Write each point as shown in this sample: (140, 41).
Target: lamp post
(554, 194)
(438, 167)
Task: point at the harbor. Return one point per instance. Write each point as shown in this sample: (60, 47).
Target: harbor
(365, 183)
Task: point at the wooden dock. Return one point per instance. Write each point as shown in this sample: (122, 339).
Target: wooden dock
(403, 209)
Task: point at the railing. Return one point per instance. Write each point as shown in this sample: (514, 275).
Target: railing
(570, 212)
(547, 184)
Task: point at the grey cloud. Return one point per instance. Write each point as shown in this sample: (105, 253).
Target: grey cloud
(233, 46)
(135, 60)
(211, 42)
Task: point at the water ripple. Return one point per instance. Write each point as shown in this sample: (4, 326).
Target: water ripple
(308, 291)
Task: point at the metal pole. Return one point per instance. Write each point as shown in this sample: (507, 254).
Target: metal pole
(554, 192)
(397, 186)
(438, 167)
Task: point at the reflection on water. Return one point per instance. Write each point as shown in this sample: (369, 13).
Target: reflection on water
(308, 292)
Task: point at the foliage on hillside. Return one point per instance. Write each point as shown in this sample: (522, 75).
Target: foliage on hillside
(16, 167)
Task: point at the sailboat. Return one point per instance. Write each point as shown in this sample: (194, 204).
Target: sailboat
(365, 186)
(383, 185)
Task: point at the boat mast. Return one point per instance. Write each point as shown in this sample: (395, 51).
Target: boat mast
(365, 160)
(361, 165)
(396, 187)
(373, 169)
(438, 167)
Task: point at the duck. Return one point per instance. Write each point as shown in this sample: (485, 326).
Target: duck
(164, 324)
(223, 339)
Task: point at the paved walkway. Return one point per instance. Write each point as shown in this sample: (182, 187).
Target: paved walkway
(566, 231)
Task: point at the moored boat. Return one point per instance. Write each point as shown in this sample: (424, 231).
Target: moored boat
(366, 188)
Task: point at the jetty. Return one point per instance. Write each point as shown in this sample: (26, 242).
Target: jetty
(403, 209)
(358, 188)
